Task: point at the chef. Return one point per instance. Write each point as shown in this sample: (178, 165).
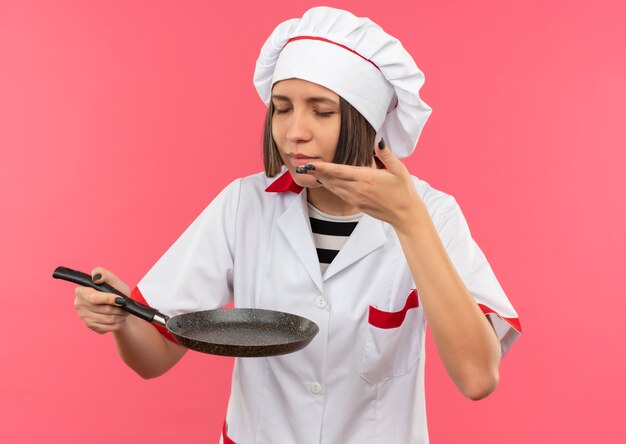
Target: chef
(335, 230)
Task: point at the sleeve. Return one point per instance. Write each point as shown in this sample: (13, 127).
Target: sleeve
(196, 272)
(476, 272)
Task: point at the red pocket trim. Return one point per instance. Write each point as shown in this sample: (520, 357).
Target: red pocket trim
(136, 295)
(392, 319)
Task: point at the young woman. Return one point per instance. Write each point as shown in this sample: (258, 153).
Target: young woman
(335, 230)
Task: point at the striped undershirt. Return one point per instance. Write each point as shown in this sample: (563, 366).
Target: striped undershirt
(330, 233)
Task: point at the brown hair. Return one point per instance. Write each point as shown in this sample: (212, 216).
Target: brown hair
(354, 147)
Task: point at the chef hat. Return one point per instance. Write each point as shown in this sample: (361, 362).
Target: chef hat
(356, 59)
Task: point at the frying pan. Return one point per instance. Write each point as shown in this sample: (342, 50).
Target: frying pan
(241, 332)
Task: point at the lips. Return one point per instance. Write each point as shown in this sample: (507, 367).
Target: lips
(300, 159)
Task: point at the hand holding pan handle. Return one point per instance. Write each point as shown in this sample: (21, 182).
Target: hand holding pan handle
(130, 305)
(239, 332)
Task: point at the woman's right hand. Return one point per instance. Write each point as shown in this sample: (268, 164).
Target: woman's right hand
(98, 310)
(139, 344)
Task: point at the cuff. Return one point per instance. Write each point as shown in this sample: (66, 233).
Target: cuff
(507, 329)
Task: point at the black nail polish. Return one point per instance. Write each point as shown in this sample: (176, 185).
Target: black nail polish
(120, 300)
(96, 277)
(381, 144)
(309, 167)
(300, 170)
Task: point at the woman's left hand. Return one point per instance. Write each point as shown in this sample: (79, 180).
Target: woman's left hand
(386, 194)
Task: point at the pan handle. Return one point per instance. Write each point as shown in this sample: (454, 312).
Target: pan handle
(130, 305)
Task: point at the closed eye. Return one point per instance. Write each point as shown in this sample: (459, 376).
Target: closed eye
(325, 113)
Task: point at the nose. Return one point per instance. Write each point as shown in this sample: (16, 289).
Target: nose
(298, 129)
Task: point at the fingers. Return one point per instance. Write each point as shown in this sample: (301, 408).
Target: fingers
(94, 298)
(334, 170)
(324, 171)
(100, 275)
(386, 156)
(345, 181)
(98, 310)
(338, 177)
(105, 327)
(105, 320)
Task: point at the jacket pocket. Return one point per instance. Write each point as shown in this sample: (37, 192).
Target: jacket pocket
(393, 342)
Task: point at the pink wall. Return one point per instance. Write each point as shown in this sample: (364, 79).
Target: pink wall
(119, 122)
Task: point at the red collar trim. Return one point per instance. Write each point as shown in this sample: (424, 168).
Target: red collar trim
(284, 183)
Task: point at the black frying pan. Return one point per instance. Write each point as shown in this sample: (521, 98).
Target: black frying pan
(242, 332)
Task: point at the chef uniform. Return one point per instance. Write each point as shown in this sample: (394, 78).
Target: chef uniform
(361, 379)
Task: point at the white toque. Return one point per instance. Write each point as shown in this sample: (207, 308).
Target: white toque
(353, 57)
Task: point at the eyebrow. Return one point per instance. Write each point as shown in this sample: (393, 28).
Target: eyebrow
(309, 100)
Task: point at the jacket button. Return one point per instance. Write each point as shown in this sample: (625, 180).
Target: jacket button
(321, 302)
(315, 388)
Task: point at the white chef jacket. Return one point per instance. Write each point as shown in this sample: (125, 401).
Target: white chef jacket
(361, 379)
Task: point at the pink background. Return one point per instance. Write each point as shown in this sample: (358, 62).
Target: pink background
(120, 121)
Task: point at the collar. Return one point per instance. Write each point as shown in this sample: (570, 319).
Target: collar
(284, 183)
